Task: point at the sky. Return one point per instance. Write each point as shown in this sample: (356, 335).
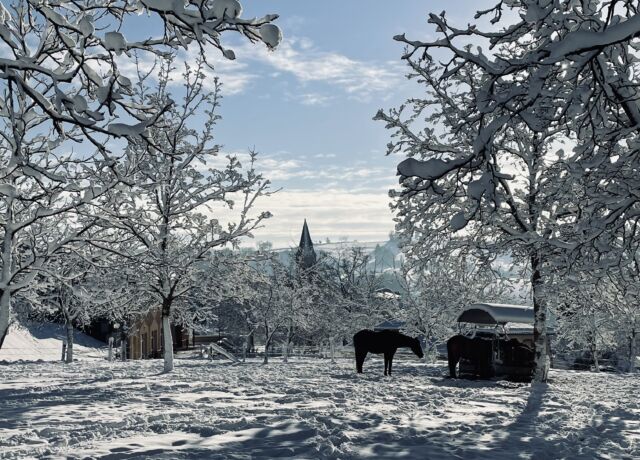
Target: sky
(307, 107)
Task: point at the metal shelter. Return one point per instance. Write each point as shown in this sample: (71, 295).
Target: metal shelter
(495, 313)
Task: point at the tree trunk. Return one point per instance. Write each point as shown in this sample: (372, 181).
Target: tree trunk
(110, 349)
(5, 279)
(69, 327)
(5, 309)
(594, 354)
(428, 354)
(244, 348)
(332, 349)
(123, 348)
(285, 350)
(541, 364)
(267, 340)
(632, 350)
(426, 348)
(167, 342)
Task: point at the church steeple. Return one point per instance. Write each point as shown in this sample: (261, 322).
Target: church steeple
(306, 255)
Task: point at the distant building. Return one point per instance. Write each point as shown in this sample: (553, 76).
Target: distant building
(306, 255)
(144, 337)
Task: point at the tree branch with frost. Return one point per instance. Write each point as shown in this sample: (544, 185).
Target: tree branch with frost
(72, 75)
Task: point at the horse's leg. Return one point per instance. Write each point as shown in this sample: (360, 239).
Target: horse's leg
(386, 362)
(364, 356)
(453, 360)
(391, 361)
(360, 356)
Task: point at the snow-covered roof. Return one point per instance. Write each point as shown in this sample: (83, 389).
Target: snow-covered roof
(495, 313)
(392, 325)
(386, 293)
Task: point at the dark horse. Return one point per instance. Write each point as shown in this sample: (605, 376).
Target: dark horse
(386, 342)
(516, 353)
(478, 351)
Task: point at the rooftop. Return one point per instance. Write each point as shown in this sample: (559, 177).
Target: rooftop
(495, 313)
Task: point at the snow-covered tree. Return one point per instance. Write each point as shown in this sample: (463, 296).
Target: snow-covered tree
(434, 292)
(584, 316)
(348, 298)
(70, 296)
(62, 83)
(180, 185)
(80, 285)
(624, 282)
(270, 292)
(302, 298)
(484, 144)
(598, 305)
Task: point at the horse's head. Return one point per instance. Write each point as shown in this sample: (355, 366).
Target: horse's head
(416, 348)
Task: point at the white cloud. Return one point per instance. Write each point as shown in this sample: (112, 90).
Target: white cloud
(338, 201)
(279, 170)
(312, 99)
(297, 57)
(286, 171)
(332, 214)
(300, 57)
(308, 64)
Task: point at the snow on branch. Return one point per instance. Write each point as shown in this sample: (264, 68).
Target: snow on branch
(61, 57)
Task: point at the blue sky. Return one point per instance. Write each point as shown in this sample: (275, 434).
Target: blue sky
(308, 108)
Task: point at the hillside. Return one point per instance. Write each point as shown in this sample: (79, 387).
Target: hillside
(42, 341)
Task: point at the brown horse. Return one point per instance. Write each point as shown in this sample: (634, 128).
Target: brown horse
(478, 351)
(386, 342)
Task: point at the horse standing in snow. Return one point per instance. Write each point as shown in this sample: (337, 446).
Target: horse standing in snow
(386, 342)
(478, 351)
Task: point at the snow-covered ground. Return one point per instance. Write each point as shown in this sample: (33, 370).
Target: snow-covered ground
(309, 409)
(43, 341)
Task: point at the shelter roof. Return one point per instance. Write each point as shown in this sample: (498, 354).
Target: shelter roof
(494, 313)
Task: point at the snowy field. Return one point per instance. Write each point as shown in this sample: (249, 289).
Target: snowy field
(308, 409)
